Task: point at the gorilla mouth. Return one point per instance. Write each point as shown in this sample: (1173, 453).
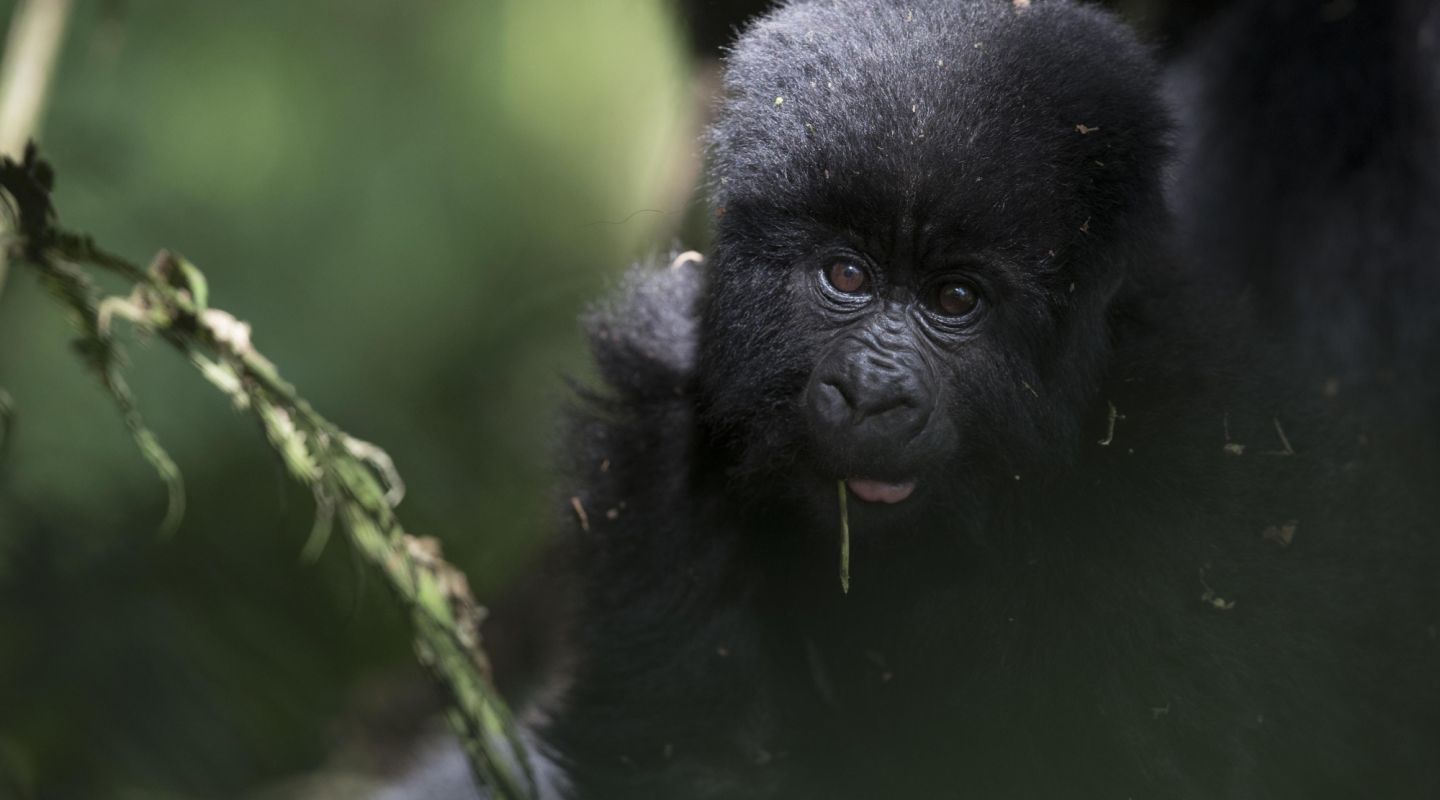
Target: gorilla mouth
(879, 491)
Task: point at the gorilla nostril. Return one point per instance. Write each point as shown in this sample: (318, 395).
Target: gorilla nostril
(830, 404)
(838, 391)
(887, 404)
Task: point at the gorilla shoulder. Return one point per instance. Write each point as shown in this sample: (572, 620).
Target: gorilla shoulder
(643, 335)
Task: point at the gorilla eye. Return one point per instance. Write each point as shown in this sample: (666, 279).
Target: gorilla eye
(957, 299)
(846, 277)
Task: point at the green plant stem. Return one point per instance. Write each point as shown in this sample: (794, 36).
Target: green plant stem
(351, 480)
(844, 540)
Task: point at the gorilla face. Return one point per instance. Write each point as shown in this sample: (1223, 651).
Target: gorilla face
(909, 363)
(872, 397)
(878, 401)
(909, 287)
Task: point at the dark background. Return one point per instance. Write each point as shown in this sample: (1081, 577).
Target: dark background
(410, 201)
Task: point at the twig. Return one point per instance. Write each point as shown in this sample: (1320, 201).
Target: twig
(1231, 447)
(1112, 415)
(352, 480)
(844, 541)
(1286, 450)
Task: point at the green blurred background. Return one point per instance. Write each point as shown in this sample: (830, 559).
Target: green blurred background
(410, 200)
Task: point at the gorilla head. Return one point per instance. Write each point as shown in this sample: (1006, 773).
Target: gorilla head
(923, 213)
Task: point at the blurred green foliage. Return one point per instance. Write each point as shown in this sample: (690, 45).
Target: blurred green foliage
(410, 201)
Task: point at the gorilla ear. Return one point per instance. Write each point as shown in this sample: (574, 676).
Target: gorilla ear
(644, 336)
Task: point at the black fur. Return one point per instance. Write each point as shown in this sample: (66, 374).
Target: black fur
(1309, 174)
(1135, 564)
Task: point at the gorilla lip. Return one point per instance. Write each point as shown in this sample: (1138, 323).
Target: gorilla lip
(879, 491)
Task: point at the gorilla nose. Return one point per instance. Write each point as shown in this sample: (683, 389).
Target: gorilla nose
(868, 409)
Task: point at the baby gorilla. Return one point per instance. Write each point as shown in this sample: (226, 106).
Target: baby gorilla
(1098, 550)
